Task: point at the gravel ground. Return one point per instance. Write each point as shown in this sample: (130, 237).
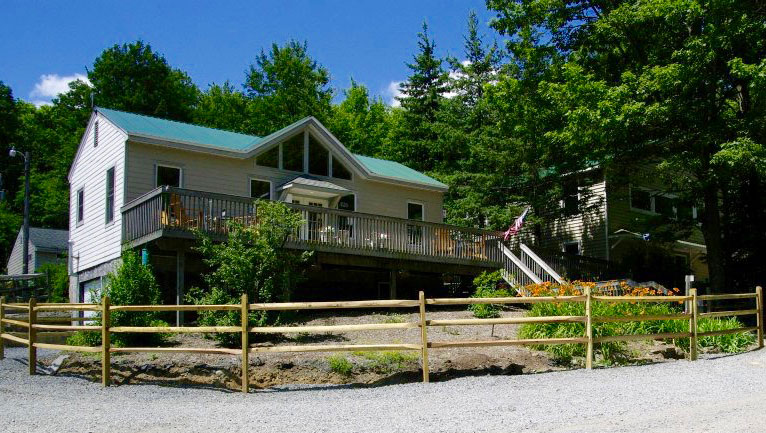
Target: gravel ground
(725, 393)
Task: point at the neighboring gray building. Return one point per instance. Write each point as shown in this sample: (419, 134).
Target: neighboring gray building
(45, 246)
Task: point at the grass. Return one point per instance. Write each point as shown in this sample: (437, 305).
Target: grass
(341, 365)
(388, 361)
(394, 318)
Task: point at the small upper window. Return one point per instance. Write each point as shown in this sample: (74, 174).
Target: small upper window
(415, 211)
(80, 205)
(572, 248)
(641, 199)
(571, 200)
(168, 176)
(270, 158)
(95, 134)
(319, 162)
(339, 171)
(110, 195)
(260, 189)
(292, 153)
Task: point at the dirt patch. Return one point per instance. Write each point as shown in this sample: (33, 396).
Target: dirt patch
(361, 368)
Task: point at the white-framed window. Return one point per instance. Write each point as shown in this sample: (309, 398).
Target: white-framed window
(168, 175)
(338, 170)
(109, 206)
(80, 205)
(645, 200)
(415, 212)
(304, 152)
(572, 247)
(260, 188)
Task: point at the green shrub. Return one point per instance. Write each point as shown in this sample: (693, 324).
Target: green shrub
(340, 365)
(57, 278)
(84, 338)
(488, 285)
(133, 283)
(613, 352)
(251, 260)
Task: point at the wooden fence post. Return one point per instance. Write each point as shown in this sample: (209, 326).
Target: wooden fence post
(245, 344)
(589, 328)
(423, 336)
(693, 326)
(32, 348)
(759, 307)
(2, 327)
(106, 343)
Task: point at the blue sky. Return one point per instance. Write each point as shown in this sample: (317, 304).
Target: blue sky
(44, 44)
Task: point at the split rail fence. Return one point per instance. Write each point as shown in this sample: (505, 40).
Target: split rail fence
(35, 326)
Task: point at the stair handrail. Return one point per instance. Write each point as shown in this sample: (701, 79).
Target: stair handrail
(519, 264)
(555, 275)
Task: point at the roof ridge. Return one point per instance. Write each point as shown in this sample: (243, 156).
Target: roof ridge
(97, 108)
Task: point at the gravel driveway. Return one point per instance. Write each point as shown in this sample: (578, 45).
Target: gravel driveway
(723, 394)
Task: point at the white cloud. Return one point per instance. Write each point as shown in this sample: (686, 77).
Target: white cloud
(51, 85)
(391, 92)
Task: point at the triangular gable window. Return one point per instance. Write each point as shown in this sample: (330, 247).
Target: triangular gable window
(339, 171)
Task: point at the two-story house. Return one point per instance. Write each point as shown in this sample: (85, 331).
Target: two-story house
(148, 183)
(636, 225)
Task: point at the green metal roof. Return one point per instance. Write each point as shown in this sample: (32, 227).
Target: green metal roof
(393, 169)
(138, 124)
(177, 131)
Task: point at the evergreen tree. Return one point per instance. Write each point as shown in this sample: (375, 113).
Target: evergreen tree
(422, 95)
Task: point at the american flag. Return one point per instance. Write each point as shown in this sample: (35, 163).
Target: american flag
(513, 229)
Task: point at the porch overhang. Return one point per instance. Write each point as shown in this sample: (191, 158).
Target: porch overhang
(309, 186)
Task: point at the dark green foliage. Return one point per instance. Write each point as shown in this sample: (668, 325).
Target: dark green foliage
(488, 285)
(132, 77)
(360, 122)
(57, 281)
(133, 283)
(284, 86)
(222, 107)
(252, 260)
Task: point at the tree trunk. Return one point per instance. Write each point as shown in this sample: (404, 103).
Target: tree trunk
(711, 230)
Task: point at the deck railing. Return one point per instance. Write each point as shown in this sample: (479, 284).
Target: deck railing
(180, 210)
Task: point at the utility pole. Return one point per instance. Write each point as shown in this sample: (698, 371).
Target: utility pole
(25, 245)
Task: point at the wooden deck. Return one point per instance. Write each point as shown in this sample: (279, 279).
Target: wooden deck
(178, 213)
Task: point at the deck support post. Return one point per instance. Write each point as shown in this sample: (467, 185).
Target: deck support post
(180, 265)
(392, 284)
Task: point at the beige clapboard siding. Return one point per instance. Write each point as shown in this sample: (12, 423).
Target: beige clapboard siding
(205, 172)
(589, 228)
(95, 242)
